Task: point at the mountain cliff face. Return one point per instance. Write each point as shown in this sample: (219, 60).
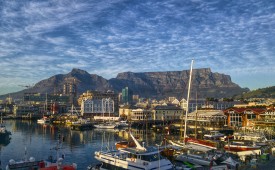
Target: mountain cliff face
(175, 83)
(148, 84)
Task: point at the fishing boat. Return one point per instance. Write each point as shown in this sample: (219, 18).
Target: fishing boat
(132, 158)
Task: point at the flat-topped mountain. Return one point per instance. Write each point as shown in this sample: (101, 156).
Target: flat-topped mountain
(145, 84)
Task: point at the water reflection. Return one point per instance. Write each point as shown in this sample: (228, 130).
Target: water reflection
(77, 146)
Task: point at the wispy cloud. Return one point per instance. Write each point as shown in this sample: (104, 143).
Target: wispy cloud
(41, 38)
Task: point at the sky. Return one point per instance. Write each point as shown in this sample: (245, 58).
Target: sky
(42, 38)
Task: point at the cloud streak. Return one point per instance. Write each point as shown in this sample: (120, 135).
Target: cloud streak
(41, 38)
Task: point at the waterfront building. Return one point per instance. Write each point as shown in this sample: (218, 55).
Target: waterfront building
(266, 119)
(208, 117)
(243, 117)
(167, 113)
(40, 98)
(98, 96)
(23, 110)
(127, 95)
(141, 114)
(125, 111)
(97, 107)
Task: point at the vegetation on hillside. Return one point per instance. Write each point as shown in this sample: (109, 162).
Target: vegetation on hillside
(268, 92)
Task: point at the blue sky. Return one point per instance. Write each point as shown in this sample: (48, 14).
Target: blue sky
(39, 39)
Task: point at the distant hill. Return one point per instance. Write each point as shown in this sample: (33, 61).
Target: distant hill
(268, 92)
(157, 85)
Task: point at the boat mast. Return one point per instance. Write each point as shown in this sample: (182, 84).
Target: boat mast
(188, 96)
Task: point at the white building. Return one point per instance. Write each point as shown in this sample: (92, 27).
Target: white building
(97, 107)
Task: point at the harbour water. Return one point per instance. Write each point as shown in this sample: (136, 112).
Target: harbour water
(30, 139)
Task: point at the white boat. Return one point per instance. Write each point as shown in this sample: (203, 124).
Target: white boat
(122, 124)
(44, 120)
(196, 159)
(133, 158)
(105, 125)
(213, 135)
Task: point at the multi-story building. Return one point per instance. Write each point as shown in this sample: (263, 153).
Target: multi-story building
(141, 114)
(39, 98)
(104, 107)
(97, 95)
(70, 90)
(125, 111)
(26, 110)
(127, 95)
(167, 113)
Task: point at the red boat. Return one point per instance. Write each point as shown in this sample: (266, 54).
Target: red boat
(240, 146)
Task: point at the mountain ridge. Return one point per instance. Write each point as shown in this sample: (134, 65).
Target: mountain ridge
(145, 84)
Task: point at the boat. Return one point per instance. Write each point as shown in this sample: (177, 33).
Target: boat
(196, 159)
(122, 124)
(82, 124)
(132, 158)
(237, 146)
(213, 135)
(44, 120)
(49, 164)
(255, 137)
(105, 125)
(201, 142)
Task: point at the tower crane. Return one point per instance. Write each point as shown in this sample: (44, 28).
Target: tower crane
(26, 86)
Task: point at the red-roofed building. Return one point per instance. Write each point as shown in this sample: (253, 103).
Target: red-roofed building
(243, 117)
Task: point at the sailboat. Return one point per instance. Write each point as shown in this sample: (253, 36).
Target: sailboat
(182, 143)
(44, 119)
(188, 142)
(106, 125)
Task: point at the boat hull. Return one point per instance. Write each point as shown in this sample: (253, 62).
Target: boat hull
(237, 148)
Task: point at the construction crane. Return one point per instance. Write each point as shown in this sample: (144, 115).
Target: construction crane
(26, 86)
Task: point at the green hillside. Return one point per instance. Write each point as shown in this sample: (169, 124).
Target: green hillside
(268, 92)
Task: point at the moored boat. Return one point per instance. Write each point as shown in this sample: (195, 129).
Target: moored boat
(131, 158)
(213, 135)
(204, 143)
(105, 125)
(44, 120)
(122, 124)
(237, 146)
